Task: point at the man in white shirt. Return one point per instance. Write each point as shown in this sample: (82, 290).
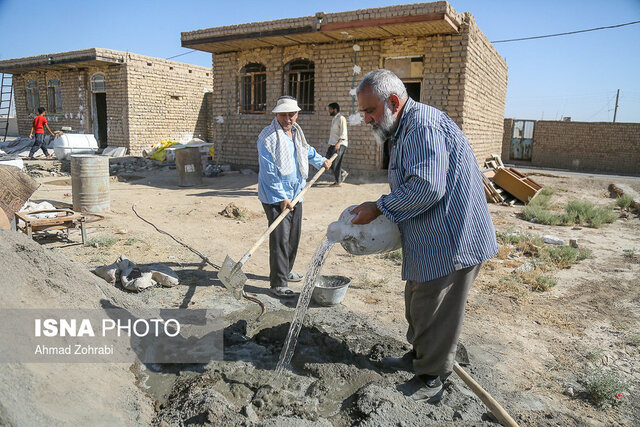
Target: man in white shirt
(338, 142)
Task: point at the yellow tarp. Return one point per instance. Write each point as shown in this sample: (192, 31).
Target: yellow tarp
(160, 154)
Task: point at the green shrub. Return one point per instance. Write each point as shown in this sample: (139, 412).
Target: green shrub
(579, 212)
(395, 256)
(565, 256)
(605, 388)
(540, 215)
(102, 241)
(543, 283)
(624, 201)
(543, 197)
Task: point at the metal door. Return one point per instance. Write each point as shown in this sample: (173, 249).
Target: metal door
(522, 140)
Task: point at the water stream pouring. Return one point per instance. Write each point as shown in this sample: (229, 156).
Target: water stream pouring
(381, 235)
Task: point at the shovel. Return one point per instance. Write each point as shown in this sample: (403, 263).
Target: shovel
(231, 274)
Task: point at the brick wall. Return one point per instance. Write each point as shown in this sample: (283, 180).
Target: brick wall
(166, 100)
(463, 75)
(75, 100)
(485, 92)
(583, 146)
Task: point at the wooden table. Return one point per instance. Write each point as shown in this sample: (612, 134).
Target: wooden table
(64, 220)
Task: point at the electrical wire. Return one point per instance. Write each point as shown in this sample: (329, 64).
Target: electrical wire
(182, 54)
(251, 298)
(204, 258)
(567, 33)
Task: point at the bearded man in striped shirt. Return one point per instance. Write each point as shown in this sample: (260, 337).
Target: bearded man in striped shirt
(438, 202)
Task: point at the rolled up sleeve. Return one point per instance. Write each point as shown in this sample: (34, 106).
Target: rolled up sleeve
(425, 162)
(343, 129)
(315, 159)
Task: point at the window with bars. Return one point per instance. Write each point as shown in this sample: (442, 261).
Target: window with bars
(33, 96)
(299, 82)
(54, 96)
(253, 88)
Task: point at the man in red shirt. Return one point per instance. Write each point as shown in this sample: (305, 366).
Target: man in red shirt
(39, 124)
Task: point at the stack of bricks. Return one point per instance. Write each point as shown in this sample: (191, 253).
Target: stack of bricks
(583, 146)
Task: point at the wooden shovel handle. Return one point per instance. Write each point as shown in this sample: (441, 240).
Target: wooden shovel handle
(503, 417)
(284, 213)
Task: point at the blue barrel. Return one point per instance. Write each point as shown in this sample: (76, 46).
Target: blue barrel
(90, 183)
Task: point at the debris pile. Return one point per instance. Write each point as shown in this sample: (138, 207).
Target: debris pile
(134, 278)
(507, 185)
(234, 211)
(131, 165)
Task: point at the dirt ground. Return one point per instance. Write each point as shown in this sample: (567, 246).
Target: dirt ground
(532, 351)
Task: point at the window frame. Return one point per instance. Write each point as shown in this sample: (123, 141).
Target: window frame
(54, 96)
(299, 81)
(33, 96)
(252, 77)
(95, 79)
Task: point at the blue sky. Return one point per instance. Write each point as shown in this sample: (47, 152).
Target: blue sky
(575, 75)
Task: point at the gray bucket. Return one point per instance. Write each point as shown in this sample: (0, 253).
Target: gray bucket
(330, 290)
(189, 166)
(90, 183)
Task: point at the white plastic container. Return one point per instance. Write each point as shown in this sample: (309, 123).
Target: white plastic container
(380, 235)
(73, 143)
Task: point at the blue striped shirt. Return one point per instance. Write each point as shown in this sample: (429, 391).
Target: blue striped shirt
(437, 198)
(273, 187)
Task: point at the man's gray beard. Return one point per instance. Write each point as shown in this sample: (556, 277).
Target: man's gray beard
(385, 127)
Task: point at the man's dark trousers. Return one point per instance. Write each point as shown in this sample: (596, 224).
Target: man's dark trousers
(283, 242)
(336, 166)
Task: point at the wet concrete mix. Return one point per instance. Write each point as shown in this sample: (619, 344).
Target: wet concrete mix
(336, 379)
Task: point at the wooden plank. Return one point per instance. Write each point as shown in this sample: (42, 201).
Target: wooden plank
(518, 188)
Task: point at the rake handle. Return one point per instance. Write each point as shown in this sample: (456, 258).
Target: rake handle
(496, 409)
(284, 213)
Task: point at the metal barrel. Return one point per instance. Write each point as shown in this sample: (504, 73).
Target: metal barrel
(189, 166)
(90, 183)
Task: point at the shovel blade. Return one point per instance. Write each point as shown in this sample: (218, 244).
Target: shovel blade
(232, 277)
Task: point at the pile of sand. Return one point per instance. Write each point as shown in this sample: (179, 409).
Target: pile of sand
(62, 393)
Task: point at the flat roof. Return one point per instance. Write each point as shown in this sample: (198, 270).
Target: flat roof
(81, 59)
(62, 60)
(418, 19)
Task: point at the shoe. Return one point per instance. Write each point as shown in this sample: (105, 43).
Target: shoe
(294, 277)
(343, 176)
(282, 292)
(336, 184)
(430, 389)
(400, 363)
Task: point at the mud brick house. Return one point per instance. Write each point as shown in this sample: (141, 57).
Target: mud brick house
(441, 55)
(124, 99)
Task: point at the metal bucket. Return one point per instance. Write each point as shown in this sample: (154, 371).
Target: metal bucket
(189, 166)
(90, 183)
(330, 290)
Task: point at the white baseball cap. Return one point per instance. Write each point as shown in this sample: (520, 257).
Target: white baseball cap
(286, 104)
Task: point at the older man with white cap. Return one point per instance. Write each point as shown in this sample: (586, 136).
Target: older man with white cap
(284, 157)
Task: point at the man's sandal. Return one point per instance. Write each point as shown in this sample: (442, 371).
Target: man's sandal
(282, 291)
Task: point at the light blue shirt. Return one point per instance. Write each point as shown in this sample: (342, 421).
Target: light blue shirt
(274, 187)
(437, 198)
